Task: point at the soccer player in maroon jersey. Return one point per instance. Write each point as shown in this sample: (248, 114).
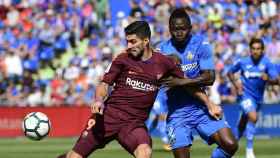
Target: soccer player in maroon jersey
(135, 76)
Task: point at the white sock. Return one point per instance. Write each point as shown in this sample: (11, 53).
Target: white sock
(249, 150)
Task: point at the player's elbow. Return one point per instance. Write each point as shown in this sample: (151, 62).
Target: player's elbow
(211, 81)
(230, 75)
(209, 78)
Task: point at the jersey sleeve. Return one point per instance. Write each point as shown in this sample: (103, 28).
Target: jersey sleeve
(173, 69)
(113, 70)
(206, 60)
(163, 48)
(235, 67)
(272, 70)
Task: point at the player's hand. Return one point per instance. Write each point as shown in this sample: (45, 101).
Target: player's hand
(215, 111)
(97, 107)
(172, 81)
(264, 77)
(239, 89)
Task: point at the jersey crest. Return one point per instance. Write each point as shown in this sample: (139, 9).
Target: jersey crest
(190, 56)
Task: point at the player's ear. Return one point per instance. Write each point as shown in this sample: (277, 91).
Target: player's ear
(146, 41)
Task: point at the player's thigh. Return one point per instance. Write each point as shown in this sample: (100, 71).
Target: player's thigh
(248, 104)
(225, 138)
(209, 126)
(131, 137)
(179, 136)
(91, 138)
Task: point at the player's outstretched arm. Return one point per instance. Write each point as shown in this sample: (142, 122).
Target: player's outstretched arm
(100, 94)
(206, 78)
(214, 110)
(237, 86)
(269, 80)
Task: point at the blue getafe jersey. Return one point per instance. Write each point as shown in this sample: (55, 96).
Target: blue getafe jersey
(251, 74)
(196, 57)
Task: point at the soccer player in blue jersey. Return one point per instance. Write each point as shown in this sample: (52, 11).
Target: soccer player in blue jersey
(157, 119)
(186, 113)
(255, 70)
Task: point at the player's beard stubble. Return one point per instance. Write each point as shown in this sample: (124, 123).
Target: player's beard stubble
(136, 53)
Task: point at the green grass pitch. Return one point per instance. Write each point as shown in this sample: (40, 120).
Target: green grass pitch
(51, 147)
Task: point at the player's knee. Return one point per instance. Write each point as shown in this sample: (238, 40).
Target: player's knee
(252, 117)
(73, 154)
(231, 146)
(143, 151)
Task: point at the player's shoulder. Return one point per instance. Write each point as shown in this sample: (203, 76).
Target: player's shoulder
(164, 47)
(201, 42)
(121, 56)
(161, 58)
(245, 59)
(159, 54)
(241, 61)
(266, 59)
(198, 38)
(164, 43)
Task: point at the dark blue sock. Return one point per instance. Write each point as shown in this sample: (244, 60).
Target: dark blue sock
(220, 153)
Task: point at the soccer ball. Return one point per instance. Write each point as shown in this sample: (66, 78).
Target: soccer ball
(36, 125)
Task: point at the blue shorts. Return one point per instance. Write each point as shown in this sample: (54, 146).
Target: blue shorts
(249, 104)
(180, 130)
(159, 107)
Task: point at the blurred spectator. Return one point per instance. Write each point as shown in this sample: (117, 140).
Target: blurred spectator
(162, 9)
(273, 50)
(269, 9)
(54, 52)
(225, 91)
(136, 11)
(272, 95)
(13, 65)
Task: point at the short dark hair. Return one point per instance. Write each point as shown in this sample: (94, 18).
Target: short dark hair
(256, 40)
(180, 13)
(140, 28)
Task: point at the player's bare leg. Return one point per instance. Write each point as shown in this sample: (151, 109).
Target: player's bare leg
(227, 144)
(143, 151)
(162, 125)
(253, 116)
(250, 132)
(242, 125)
(70, 154)
(73, 154)
(183, 152)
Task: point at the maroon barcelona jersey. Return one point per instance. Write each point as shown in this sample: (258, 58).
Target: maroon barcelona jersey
(136, 85)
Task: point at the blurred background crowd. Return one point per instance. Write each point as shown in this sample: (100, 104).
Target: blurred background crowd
(54, 52)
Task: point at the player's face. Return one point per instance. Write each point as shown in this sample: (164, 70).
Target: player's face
(256, 51)
(135, 45)
(179, 29)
